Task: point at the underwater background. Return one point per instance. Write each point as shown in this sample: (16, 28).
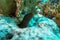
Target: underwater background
(30, 23)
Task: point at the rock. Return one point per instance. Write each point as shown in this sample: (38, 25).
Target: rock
(58, 19)
(6, 27)
(8, 7)
(41, 28)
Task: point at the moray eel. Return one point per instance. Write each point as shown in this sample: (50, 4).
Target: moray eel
(26, 20)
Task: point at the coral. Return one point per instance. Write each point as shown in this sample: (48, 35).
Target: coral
(39, 27)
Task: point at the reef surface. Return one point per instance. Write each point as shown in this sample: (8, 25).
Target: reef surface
(39, 28)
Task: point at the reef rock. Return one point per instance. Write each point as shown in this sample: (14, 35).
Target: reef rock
(38, 28)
